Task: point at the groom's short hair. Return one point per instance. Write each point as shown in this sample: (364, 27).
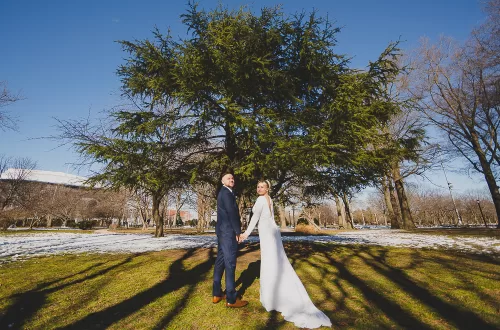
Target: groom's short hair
(226, 172)
(219, 184)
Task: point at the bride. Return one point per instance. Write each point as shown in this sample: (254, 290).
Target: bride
(280, 287)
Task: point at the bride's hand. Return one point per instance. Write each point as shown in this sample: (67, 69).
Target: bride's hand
(243, 237)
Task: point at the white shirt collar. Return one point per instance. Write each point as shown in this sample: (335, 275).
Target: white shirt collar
(231, 190)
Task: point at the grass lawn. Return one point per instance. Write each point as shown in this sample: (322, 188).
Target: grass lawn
(358, 287)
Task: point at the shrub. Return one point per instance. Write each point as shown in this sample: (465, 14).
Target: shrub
(86, 224)
(71, 224)
(302, 221)
(178, 221)
(307, 229)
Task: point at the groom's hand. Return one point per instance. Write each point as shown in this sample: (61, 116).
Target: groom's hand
(243, 237)
(238, 239)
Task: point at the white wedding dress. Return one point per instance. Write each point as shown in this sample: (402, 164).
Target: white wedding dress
(280, 287)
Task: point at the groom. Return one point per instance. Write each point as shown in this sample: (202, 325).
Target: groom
(228, 230)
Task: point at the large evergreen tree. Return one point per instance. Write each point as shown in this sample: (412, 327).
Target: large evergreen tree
(267, 94)
(141, 150)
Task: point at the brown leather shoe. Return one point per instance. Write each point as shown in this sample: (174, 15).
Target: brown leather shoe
(237, 304)
(217, 299)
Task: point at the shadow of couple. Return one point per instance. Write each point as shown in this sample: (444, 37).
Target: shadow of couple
(247, 277)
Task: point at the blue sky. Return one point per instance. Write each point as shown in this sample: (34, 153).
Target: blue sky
(62, 55)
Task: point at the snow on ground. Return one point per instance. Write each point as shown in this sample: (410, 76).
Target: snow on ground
(21, 246)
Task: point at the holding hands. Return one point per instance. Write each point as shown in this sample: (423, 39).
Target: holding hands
(241, 238)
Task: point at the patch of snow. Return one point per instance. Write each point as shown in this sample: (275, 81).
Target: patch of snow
(21, 246)
(399, 238)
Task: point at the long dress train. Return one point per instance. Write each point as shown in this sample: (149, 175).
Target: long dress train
(280, 287)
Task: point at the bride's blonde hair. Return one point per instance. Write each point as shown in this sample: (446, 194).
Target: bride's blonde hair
(268, 184)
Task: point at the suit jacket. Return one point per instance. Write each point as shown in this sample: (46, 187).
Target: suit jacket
(228, 216)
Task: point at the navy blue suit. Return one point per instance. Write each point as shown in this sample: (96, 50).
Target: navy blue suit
(227, 227)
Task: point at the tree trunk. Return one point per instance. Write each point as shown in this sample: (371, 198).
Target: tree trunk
(201, 212)
(156, 216)
(389, 202)
(438, 218)
(488, 176)
(281, 210)
(350, 221)
(144, 216)
(340, 216)
(49, 220)
(395, 203)
(33, 221)
(311, 222)
(403, 200)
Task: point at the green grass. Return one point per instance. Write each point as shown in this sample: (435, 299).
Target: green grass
(358, 287)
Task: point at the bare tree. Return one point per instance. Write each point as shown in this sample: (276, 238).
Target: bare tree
(340, 212)
(65, 203)
(4, 163)
(458, 88)
(7, 121)
(33, 201)
(12, 182)
(181, 197)
(405, 137)
(110, 204)
(205, 204)
(142, 206)
(432, 207)
(378, 206)
(327, 214)
(310, 212)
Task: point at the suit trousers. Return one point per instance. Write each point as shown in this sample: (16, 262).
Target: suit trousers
(227, 249)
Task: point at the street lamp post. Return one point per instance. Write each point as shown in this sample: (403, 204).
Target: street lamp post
(459, 218)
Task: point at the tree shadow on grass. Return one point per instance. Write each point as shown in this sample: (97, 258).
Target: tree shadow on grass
(191, 278)
(470, 284)
(376, 258)
(273, 322)
(27, 304)
(178, 278)
(459, 317)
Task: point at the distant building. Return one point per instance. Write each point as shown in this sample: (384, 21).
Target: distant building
(50, 177)
(185, 215)
(131, 215)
